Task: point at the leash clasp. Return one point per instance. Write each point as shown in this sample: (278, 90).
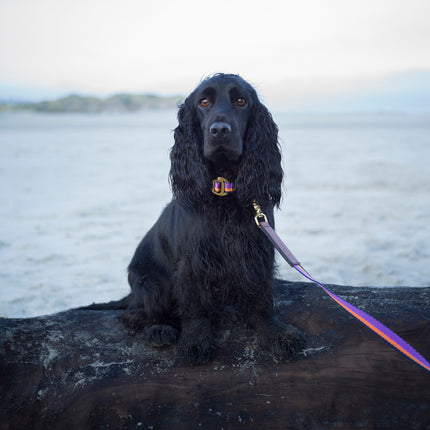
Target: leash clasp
(258, 214)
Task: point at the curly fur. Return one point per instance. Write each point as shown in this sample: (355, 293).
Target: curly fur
(205, 254)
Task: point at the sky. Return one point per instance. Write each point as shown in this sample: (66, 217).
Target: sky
(286, 48)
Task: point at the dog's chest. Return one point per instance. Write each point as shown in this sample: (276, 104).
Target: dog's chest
(223, 247)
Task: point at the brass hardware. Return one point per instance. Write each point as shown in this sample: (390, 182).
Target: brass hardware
(258, 213)
(222, 182)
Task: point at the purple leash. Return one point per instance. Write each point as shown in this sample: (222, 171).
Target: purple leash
(379, 328)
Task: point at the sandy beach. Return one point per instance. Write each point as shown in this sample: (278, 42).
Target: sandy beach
(79, 191)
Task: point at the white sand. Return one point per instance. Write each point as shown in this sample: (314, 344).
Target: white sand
(79, 191)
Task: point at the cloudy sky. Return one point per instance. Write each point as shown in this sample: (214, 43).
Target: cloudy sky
(163, 46)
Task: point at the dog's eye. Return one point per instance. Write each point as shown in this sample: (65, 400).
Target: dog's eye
(241, 101)
(204, 102)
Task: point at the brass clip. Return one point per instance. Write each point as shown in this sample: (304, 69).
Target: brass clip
(258, 213)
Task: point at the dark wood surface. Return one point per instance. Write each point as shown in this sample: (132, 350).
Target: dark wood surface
(81, 369)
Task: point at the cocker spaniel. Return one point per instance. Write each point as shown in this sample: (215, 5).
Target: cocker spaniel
(205, 254)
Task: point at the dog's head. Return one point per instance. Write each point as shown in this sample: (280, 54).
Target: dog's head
(224, 130)
(223, 106)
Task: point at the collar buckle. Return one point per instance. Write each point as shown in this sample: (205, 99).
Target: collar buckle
(222, 187)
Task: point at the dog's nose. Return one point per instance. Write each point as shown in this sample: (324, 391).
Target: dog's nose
(220, 129)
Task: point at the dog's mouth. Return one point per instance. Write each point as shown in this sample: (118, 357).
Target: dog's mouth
(224, 164)
(226, 154)
(223, 155)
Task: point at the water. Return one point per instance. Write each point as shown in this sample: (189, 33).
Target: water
(78, 192)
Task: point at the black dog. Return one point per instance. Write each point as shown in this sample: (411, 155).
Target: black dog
(206, 253)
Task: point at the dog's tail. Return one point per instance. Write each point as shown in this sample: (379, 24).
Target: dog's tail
(114, 305)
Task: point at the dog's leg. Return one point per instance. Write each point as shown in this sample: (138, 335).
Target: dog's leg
(197, 342)
(149, 312)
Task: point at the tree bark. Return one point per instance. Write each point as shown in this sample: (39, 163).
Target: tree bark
(81, 369)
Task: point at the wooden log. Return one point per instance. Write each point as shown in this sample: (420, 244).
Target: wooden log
(81, 369)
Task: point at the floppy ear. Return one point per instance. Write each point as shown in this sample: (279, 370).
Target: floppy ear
(260, 171)
(188, 172)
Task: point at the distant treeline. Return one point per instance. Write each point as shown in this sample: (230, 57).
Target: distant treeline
(116, 103)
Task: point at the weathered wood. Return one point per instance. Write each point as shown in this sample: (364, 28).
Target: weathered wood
(81, 369)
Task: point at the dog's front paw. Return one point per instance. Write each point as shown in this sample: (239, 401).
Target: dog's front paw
(134, 320)
(283, 341)
(197, 342)
(197, 351)
(159, 335)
